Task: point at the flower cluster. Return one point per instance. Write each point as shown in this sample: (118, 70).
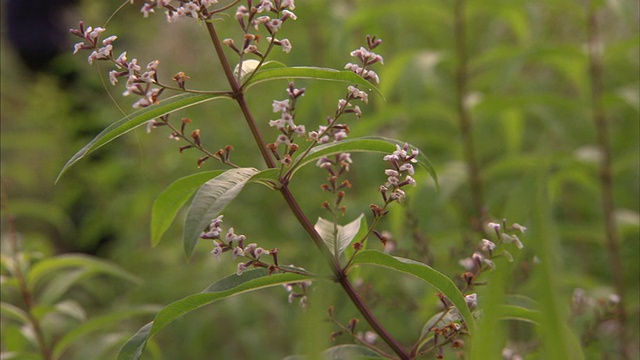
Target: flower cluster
(286, 126)
(483, 260)
(367, 57)
(234, 243)
(398, 176)
(139, 82)
(248, 17)
(186, 8)
(298, 291)
(334, 131)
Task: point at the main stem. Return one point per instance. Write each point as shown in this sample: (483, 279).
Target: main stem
(606, 176)
(464, 118)
(339, 274)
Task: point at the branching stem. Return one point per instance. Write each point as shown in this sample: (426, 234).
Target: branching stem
(291, 201)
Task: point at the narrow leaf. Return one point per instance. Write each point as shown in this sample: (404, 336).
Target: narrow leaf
(342, 352)
(134, 347)
(514, 312)
(210, 199)
(350, 352)
(268, 178)
(99, 323)
(93, 265)
(224, 288)
(422, 271)
(344, 234)
(13, 312)
(364, 144)
(314, 73)
(56, 287)
(360, 236)
(136, 119)
(172, 199)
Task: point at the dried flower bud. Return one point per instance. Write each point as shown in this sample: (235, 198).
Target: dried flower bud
(195, 134)
(181, 79)
(202, 160)
(351, 326)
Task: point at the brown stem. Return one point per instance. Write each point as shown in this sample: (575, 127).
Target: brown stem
(238, 95)
(464, 118)
(600, 120)
(340, 276)
(26, 295)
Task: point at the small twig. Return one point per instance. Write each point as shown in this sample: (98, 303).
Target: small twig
(360, 340)
(464, 118)
(600, 120)
(340, 276)
(25, 293)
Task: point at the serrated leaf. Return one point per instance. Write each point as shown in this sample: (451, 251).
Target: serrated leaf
(50, 266)
(314, 73)
(343, 233)
(99, 323)
(422, 271)
(211, 198)
(136, 119)
(229, 286)
(363, 144)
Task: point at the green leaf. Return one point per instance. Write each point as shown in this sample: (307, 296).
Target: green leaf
(514, 312)
(210, 199)
(172, 199)
(13, 312)
(364, 144)
(50, 266)
(422, 271)
(343, 352)
(349, 352)
(440, 319)
(136, 119)
(360, 236)
(229, 286)
(99, 323)
(314, 73)
(134, 347)
(344, 233)
(60, 283)
(268, 178)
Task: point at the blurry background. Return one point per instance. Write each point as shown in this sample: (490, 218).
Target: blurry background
(518, 75)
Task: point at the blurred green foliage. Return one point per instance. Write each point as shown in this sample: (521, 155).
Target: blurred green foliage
(530, 103)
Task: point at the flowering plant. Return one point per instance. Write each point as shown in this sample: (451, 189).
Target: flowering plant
(244, 61)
